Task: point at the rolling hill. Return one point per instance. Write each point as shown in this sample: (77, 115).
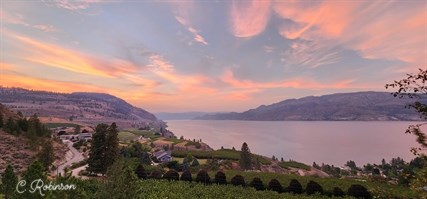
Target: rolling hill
(79, 107)
(359, 106)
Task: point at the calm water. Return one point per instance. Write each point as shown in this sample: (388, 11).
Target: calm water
(328, 142)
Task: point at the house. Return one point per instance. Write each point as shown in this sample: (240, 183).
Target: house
(85, 136)
(163, 156)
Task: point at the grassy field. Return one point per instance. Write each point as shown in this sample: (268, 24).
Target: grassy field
(125, 136)
(226, 154)
(145, 133)
(201, 161)
(294, 164)
(174, 140)
(379, 189)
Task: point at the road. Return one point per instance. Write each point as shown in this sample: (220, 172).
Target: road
(75, 157)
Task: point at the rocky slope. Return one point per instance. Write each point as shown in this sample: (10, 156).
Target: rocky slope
(360, 106)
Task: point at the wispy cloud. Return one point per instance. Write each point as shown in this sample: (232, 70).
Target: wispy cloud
(249, 18)
(369, 27)
(73, 4)
(196, 35)
(59, 57)
(18, 19)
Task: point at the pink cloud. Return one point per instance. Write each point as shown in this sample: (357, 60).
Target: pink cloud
(298, 82)
(249, 18)
(376, 29)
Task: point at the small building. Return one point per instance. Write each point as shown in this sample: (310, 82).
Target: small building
(163, 156)
(85, 136)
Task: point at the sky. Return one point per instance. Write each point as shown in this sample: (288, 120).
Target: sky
(210, 55)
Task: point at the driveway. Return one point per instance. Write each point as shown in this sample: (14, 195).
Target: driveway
(76, 157)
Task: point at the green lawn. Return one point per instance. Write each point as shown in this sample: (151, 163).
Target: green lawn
(125, 136)
(226, 154)
(201, 161)
(145, 133)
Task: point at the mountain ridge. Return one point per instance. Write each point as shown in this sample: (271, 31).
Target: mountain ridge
(357, 106)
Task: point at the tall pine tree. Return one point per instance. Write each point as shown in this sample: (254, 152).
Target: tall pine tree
(245, 157)
(1, 121)
(122, 182)
(96, 160)
(34, 172)
(46, 156)
(111, 145)
(8, 183)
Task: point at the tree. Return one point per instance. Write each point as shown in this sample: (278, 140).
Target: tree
(275, 185)
(238, 180)
(11, 127)
(77, 129)
(338, 192)
(295, 186)
(203, 177)
(34, 172)
(140, 172)
(1, 121)
(313, 187)
(111, 145)
(195, 163)
(358, 191)
(46, 156)
(257, 183)
(156, 174)
(220, 178)
(413, 87)
(171, 175)
(186, 176)
(96, 160)
(245, 157)
(8, 182)
(121, 182)
(351, 164)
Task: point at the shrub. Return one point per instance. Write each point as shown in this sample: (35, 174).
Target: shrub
(220, 178)
(275, 185)
(359, 191)
(186, 176)
(156, 174)
(203, 177)
(238, 180)
(338, 192)
(257, 184)
(171, 175)
(140, 172)
(313, 187)
(295, 187)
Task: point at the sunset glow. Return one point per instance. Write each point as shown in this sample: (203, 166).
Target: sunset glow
(208, 55)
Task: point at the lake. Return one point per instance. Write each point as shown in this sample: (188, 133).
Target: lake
(331, 142)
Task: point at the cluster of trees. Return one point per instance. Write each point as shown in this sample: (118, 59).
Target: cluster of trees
(35, 131)
(31, 127)
(104, 149)
(138, 151)
(9, 181)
